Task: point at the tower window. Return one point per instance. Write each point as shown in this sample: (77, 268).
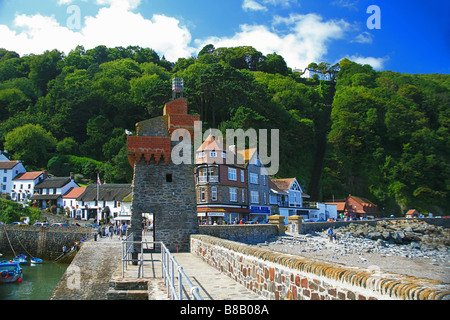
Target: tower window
(168, 177)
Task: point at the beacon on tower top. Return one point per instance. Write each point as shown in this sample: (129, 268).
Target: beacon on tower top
(177, 88)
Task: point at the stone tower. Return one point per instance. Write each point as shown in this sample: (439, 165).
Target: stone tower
(160, 187)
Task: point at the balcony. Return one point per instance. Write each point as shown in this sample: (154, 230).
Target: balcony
(306, 205)
(310, 205)
(207, 179)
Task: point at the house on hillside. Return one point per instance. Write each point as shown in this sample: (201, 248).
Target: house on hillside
(24, 183)
(49, 192)
(221, 187)
(309, 74)
(8, 171)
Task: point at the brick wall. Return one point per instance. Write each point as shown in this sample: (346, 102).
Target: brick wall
(280, 276)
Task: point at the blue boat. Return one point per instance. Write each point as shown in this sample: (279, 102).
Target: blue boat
(10, 272)
(36, 261)
(20, 259)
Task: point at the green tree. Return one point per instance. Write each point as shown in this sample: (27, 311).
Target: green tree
(30, 143)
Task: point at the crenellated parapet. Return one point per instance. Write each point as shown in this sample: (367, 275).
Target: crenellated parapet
(139, 147)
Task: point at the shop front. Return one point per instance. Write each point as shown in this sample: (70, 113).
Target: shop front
(222, 215)
(259, 214)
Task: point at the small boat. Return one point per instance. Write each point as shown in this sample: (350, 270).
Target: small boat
(10, 272)
(36, 260)
(20, 259)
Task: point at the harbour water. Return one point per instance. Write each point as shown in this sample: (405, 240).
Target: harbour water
(38, 282)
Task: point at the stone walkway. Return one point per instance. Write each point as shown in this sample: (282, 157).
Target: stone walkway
(99, 262)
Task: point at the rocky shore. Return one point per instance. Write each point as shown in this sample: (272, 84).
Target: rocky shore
(411, 247)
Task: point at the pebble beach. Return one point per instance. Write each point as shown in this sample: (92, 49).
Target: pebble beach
(416, 249)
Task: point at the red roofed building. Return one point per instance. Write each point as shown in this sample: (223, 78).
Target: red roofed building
(8, 171)
(355, 207)
(24, 183)
(221, 187)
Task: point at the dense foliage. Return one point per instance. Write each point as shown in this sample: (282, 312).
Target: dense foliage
(390, 139)
(11, 211)
(381, 135)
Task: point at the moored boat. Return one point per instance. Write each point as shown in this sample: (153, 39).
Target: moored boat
(10, 272)
(36, 261)
(20, 259)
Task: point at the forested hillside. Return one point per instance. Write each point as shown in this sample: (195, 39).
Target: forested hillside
(381, 135)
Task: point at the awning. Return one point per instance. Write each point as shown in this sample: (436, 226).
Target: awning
(122, 218)
(215, 211)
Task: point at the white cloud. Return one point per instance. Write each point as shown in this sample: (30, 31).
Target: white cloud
(252, 5)
(376, 63)
(350, 4)
(364, 37)
(124, 4)
(112, 26)
(304, 39)
(261, 5)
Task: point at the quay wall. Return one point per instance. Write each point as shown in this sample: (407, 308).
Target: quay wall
(254, 233)
(311, 227)
(279, 276)
(247, 233)
(39, 241)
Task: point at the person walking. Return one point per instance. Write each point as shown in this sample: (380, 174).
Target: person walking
(111, 231)
(123, 230)
(330, 234)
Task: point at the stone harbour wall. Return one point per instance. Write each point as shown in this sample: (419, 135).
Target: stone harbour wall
(43, 242)
(279, 276)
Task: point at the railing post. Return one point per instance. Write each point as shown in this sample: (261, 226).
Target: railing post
(180, 282)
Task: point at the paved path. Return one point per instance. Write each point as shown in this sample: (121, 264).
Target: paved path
(98, 260)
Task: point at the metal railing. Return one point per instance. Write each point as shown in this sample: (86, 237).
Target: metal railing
(171, 271)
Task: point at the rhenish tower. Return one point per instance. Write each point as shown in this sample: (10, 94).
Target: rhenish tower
(160, 187)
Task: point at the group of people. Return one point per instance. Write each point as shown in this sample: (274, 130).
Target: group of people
(109, 231)
(76, 246)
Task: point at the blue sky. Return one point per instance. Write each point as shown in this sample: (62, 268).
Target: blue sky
(414, 36)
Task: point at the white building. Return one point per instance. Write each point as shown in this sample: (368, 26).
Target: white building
(309, 73)
(8, 171)
(288, 198)
(108, 200)
(49, 192)
(24, 183)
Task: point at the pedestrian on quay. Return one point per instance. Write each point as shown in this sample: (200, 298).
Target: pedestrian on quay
(123, 230)
(330, 234)
(106, 232)
(111, 231)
